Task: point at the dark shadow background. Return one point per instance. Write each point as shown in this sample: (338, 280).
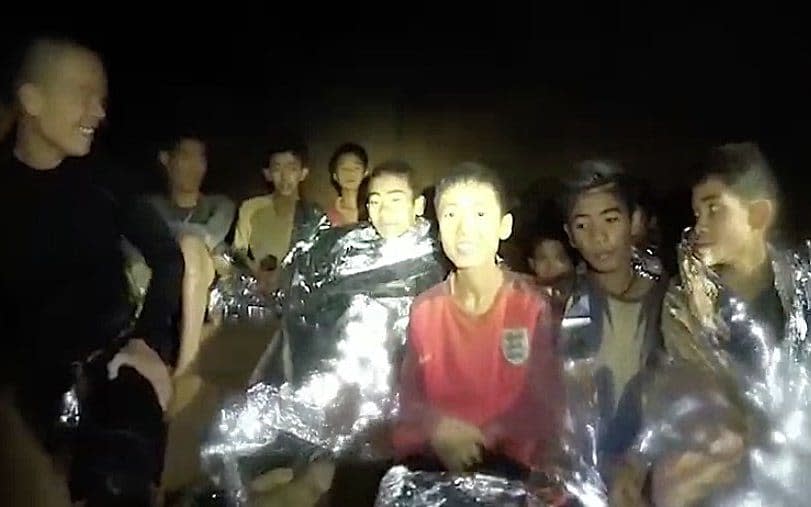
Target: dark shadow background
(524, 87)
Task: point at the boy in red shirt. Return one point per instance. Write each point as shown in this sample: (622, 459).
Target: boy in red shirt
(480, 383)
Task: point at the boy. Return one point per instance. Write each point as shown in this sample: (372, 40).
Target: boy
(341, 261)
(185, 208)
(345, 317)
(200, 223)
(348, 168)
(269, 226)
(619, 329)
(551, 262)
(735, 201)
(735, 204)
(480, 384)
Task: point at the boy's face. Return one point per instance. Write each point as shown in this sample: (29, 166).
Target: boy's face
(601, 229)
(186, 165)
(550, 262)
(349, 171)
(471, 224)
(286, 172)
(68, 106)
(723, 230)
(393, 209)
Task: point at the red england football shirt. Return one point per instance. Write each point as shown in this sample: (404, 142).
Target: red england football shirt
(498, 371)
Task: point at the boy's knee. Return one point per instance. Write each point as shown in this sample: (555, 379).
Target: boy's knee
(197, 258)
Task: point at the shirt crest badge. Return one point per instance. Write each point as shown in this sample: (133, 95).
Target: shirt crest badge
(515, 345)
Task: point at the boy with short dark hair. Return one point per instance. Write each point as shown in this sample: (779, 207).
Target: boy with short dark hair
(480, 384)
(348, 168)
(344, 318)
(551, 257)
(184, 207)
(612, 316)
(269, 226)
(200, 222)
(736, 203)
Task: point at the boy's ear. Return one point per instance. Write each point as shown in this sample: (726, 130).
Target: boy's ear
(163, 158)
(636, 223)
(761, 214)
(304, 172)
(569, 235)
(531, 263)
(419, 205)
(506, 228)
(267, 174)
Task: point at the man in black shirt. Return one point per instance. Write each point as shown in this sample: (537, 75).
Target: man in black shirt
(66, 305)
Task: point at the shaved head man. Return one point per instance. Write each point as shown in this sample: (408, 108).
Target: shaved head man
(62, 90)
(70, 320)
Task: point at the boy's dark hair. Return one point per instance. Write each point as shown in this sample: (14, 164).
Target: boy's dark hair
(398, 168)
(289, 145)
(344, 149)
(550, 227)
(553, 234)
(172, 142)
(742, 167)
(593, 174)
(347, 148)
(645, 196)
(473, 172)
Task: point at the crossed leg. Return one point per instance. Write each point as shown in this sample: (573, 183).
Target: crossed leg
(197, 279)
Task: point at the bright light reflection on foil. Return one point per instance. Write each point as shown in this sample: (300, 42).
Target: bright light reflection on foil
(344, 315)
(764, 380)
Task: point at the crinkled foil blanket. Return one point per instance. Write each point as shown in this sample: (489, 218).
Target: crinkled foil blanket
(751, 383)
(579, 468)
(344, 318)
(236, 295)
(401, 487)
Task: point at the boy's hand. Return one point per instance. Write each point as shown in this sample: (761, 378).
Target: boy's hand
(281, 488)
(271, 479)
(626, 489)
(268, 280)
(687, 478)
(457, 444)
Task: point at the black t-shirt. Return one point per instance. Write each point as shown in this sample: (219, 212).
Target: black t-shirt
(64, 290)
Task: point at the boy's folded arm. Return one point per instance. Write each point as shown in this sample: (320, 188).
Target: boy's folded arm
(417, 418)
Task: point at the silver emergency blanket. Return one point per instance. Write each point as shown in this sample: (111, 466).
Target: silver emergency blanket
(344, 319)
(732, 375)
(402, 487)
(646, 263)
(69, 413)
(236, 294)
